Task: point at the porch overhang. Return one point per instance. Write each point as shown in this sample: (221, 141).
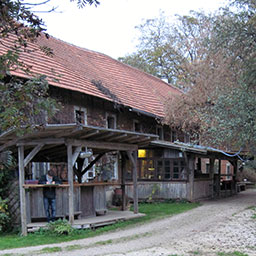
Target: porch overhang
(196, 150)
(55, 137)
(64, 143)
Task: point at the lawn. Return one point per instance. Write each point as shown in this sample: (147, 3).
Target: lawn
(153, 211)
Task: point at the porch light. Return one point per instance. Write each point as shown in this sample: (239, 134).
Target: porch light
(85, 154)
(142, 153)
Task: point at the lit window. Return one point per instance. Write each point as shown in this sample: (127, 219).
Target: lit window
(142, 153)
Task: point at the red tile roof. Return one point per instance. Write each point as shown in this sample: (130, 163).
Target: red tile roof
(96, 74)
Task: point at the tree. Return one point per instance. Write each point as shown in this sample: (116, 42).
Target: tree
(165, 48)
(211, 57)
(22, 99)
(220, 104)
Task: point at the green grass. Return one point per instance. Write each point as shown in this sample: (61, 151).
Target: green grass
(236, 253)
(153, 211)
(51, 249)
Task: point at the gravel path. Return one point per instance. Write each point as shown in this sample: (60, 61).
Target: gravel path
(224, 225)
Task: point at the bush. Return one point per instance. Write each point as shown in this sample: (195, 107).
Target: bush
(248, 174)
(60, 227)
(4, 215)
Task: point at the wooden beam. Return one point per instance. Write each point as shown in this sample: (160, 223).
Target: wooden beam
(90, 134)
(103, 145)
(31, 155)
(131, 138)
(8, 144)
(123, 172)
(133, 158)
(75, 155)
(98, 157)
(105, 135)
(45, 141)
(118, 137)
(68, 133)
(22, 191)
(71, 185)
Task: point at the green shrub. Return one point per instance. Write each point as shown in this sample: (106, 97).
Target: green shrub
(4, 215)
(60, 227)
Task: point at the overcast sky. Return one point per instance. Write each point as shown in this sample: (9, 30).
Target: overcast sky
(110, 28)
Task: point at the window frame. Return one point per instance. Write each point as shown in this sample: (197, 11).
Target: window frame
(111, 116)
(136, 122)
(84, 111)
(161, 129)
(156, 160)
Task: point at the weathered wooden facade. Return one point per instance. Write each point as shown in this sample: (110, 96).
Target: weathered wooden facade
(107, 108)
(172, 170)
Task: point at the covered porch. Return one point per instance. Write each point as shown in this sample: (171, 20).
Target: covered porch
(65, 143)
(178, 171)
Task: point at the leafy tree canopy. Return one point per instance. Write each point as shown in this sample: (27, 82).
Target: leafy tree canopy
(213, 58)
(22, 100)
(220, 102)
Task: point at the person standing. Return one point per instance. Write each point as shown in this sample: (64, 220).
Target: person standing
(49, 194)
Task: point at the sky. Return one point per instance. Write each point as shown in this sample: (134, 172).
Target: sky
(110, 27)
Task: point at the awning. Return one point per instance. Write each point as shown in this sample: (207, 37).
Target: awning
(54, 138)
(199, 150)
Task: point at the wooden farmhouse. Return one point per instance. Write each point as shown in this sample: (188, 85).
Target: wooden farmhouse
(108, 139)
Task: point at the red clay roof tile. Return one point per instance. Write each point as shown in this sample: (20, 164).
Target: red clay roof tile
(96, 74)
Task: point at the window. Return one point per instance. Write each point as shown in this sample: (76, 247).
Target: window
(111, 121)
(159, 170)
(152, 167)
(174, 136)
(160, 132)
(228, 172)
(207, 166)
(80, 115)
(167, 170)
(136, 126)
(186, 138)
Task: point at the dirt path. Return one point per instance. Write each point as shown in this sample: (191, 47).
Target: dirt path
(224, 225)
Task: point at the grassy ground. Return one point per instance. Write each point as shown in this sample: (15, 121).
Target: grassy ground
(153, 211)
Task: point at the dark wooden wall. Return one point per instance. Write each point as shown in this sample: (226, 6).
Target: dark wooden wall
(97, 110)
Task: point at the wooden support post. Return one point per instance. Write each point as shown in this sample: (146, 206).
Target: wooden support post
(191, 177)
(22, 191)
(234, 176)
(218, 180)
(133, 159)
(75, 155)
(211, 174)
(71, 185)
(190, 163)
(123, 171)
(186, 164)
